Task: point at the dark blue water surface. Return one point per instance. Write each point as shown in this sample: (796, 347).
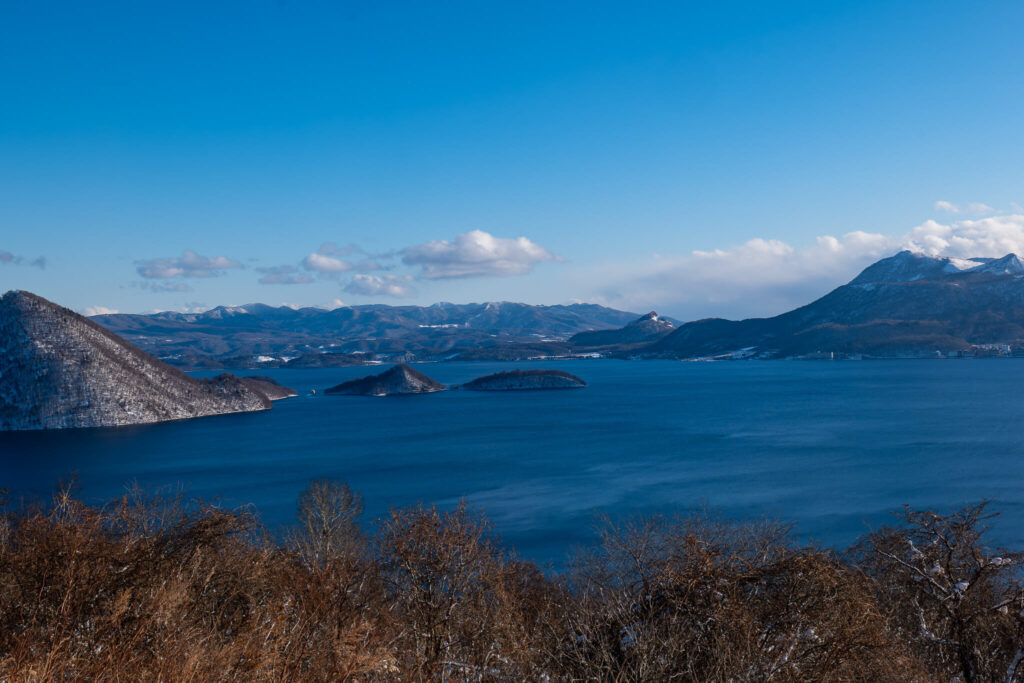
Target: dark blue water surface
(831, 446)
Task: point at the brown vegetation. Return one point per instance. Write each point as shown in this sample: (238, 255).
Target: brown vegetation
(152, 587)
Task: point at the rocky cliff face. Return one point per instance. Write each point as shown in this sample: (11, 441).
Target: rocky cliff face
(518, 380)
(59, 370)
(400, 379)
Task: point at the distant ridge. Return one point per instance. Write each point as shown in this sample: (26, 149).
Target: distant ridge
(256, 335)
(58, 370)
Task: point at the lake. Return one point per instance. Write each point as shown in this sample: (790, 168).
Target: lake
(830, 446)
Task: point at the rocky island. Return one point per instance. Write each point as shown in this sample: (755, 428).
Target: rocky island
(401, 379)
(59, 369)
(521, 380)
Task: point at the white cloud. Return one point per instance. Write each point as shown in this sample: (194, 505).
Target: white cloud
(974, 209)
(765, 277)
(98, 310)
(322, 263)
(759, 277)
(329, 260)
(476, 254)
(335, 303)
(189, 264)
(381, 285)
(992, 236)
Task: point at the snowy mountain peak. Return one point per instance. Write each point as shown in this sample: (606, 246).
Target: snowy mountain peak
(221, 312)
(909, 266)
(653, 321)
(959, 265)
(1007, 265)
(906, 266)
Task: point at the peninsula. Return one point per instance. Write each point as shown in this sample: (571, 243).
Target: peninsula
(59, 369)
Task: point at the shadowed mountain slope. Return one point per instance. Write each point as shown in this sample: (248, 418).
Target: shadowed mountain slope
(907, 304)
(645, 329)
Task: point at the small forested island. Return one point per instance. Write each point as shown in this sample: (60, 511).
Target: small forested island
(401, 379)
(521, 380)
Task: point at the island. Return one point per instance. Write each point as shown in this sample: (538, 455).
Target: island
(399, 380)
(522, 380)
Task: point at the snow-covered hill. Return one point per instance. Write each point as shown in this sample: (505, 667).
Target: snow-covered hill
(59, 369)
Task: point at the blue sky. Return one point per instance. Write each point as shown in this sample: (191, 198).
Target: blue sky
(696, 158)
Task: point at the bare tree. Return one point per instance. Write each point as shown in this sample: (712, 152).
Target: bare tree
(328, 516)
(957, 602)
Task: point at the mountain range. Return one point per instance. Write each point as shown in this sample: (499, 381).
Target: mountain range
(258, 335)
(906, 305)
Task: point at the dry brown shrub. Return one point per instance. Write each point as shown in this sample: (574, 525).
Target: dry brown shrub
(464, 610)
(153, 587)
(193, 594)
(697, 599)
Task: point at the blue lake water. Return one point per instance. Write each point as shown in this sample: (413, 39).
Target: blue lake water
(831, 446)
